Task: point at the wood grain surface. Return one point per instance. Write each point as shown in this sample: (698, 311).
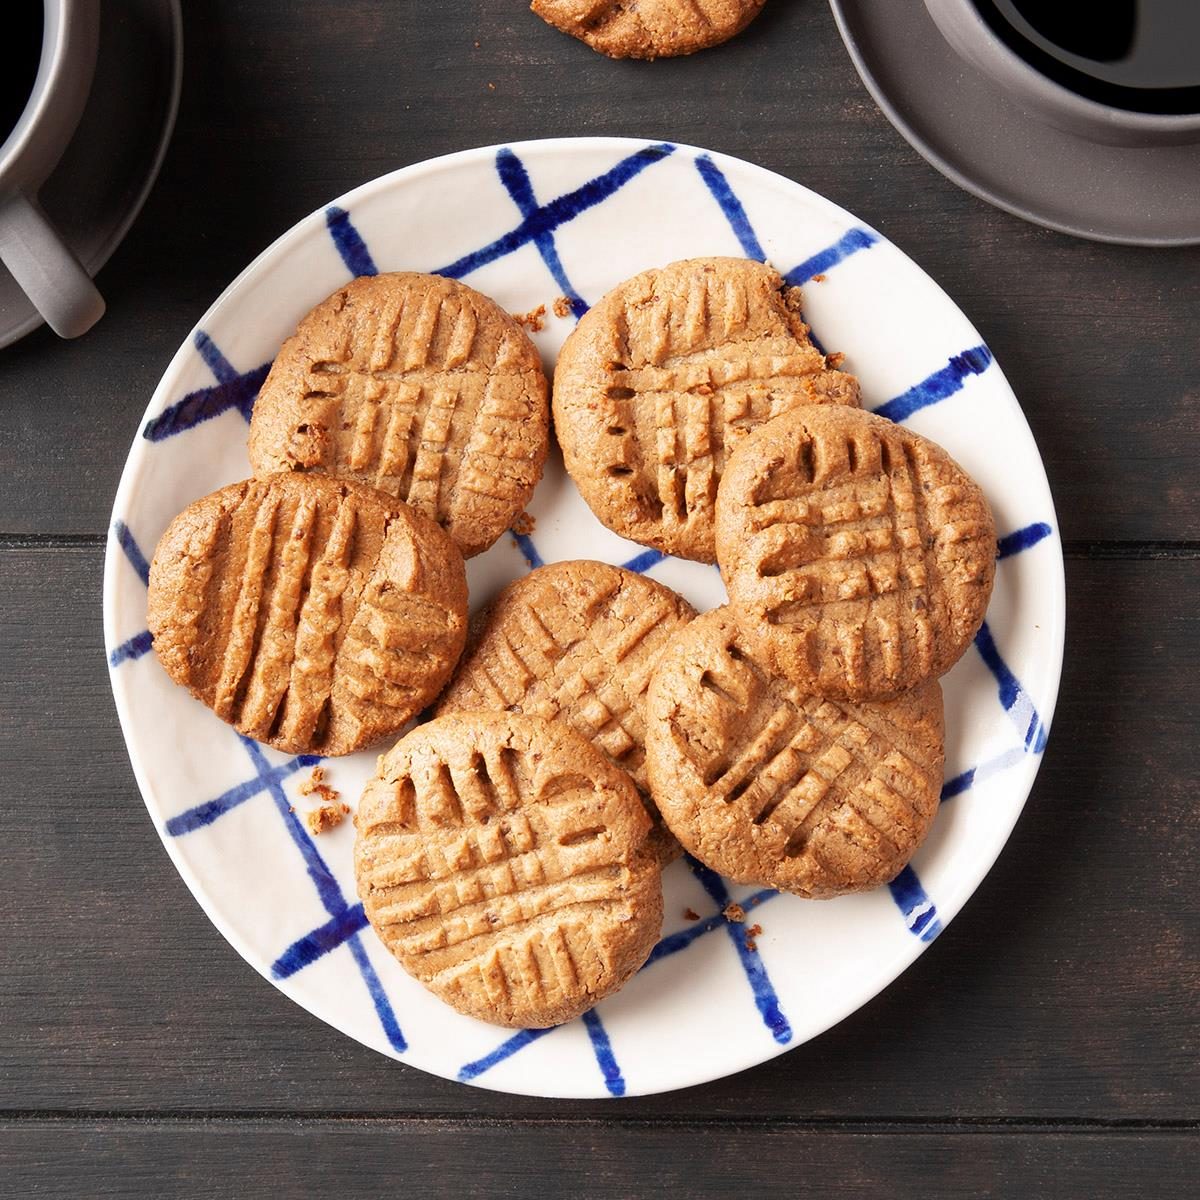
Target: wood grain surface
(1047, 1044)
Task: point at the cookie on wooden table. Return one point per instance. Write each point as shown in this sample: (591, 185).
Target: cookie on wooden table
(575, 641)
(649, 28)
(859, 556)
(310, 613)
(503, 861)
(665, 375)
(419, 386)
(770, 785)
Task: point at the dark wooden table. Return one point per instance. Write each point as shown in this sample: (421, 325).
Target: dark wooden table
(1046, 1045)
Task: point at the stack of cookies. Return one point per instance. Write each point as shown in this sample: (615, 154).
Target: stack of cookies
(321, 605)
(509, 850)
(794, 737)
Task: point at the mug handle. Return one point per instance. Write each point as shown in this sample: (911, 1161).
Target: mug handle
(46, 270)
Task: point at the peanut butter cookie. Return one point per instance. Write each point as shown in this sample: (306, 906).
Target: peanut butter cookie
(575, 641)
(503, 861)
(770, 785)
(665, 376)
(310, 613)
(648, 28)
(418, 386)
(859, 556)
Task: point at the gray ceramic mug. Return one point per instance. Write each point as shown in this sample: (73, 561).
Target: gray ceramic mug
(968, 33)
(30, 247)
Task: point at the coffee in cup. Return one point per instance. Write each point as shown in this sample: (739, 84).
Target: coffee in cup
(19, 59)
(1139, 55)
(1122, 72)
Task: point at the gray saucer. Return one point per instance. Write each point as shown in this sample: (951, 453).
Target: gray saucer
(959, 121)
(100, 184)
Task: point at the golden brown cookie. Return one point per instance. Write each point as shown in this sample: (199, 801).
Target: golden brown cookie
(503, 861)
(310, 613)
(665, 375)
(418, 386)
(858, 555)
(575, 641)
(769, 785)
(648, 28)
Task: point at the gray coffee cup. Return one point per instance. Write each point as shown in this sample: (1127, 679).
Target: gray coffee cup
(30, 247)
(970, 35)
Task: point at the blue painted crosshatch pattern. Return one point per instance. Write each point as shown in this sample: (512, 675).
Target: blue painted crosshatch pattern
(536, 224)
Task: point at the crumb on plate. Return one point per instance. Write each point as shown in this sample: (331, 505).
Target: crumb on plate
(325, 817)
(330, 812)
(734, 912)
(535, 318)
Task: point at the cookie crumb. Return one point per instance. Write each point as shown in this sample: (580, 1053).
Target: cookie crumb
(535, 318)
(734, 912)
(816, 278)
(835, 359)
(754, 901)
(491, 87)
(690, 914)
(754, 931)
(562, 307)
(315, 785)
(751, 945)
(524, 525)
(325, 817)
(330, 812)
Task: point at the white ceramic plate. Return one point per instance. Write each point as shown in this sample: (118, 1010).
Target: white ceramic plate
(527, 224)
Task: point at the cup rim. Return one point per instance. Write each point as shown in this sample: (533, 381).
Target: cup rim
(962, 25)
(68, 26)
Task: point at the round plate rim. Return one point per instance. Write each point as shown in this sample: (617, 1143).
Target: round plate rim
(1022, 777)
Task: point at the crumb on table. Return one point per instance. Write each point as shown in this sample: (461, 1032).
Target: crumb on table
(562, 307)
(734, 912)
(535, 318)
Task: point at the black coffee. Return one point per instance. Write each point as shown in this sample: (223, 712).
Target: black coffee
(20, 54)
(1141, 55)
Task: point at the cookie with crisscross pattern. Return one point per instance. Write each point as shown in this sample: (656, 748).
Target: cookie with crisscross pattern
(770, 785)
(503, 861)
(859, 556)
(418, 386)
(662, 379)
(310, 613)
(649, 28)
(576, 641)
